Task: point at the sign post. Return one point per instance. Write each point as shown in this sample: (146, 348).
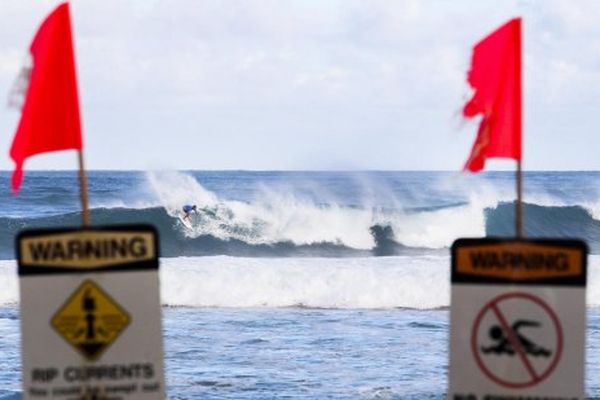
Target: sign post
(90, 313)
(517, 319)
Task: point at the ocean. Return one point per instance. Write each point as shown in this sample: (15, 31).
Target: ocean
(304, 285)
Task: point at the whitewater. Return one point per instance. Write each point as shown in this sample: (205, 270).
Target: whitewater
(419, 283)
(313, 213)
(312, 285)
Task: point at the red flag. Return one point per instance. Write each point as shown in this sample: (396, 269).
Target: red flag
(496, 77)
(50, 116)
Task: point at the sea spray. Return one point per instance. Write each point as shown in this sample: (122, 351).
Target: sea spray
(276, 217)
(317, 214)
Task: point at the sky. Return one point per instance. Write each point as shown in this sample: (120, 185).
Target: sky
(308, 84)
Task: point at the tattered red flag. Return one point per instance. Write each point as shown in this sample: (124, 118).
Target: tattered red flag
(495, 76)
(50, 116)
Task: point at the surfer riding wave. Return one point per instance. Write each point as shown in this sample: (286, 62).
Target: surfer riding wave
(188, 209)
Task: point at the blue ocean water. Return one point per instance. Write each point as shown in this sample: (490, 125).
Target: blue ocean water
(308, 285)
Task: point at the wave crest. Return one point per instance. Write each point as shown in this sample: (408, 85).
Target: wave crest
(280, 224)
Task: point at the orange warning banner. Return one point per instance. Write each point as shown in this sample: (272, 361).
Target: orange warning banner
(519, 261)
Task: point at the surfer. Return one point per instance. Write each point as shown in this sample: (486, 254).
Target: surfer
(187, 210)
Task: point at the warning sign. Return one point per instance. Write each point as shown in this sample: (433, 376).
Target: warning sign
(514, 306)
(90, 320)
(90, 314)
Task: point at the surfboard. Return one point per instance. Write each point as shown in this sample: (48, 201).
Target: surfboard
(185, 222)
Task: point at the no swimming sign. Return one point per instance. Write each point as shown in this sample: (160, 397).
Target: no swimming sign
(517, 319)
(90, 313)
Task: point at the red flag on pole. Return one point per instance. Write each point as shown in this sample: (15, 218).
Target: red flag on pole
(496, 77)
(50, 116)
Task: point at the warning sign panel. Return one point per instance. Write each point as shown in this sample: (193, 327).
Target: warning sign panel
(90, 320)
(90, 313)
(515, 306)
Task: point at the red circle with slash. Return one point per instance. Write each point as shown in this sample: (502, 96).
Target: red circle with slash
(535, 377)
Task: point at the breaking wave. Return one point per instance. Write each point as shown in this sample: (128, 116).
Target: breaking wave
(421, 282)
(279, 224)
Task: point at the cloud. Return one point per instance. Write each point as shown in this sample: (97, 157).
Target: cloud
(352, 79)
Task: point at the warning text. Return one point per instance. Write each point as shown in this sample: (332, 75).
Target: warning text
(87, 249)
(521, 261)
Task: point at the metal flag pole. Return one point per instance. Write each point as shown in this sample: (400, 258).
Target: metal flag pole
(519, 204)
(85, 213)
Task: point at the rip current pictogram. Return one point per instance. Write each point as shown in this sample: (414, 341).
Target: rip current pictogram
(90, 320)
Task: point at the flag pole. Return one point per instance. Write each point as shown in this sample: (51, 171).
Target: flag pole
(85, 213)
(519, 204)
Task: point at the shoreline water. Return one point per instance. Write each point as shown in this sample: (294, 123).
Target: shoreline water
(267, 353)
(305, 285)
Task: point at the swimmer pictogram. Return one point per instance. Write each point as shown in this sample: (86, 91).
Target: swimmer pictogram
(517, 332)
(90, 320)
(504, 346)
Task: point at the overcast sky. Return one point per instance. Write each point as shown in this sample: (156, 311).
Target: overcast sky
(323, 84)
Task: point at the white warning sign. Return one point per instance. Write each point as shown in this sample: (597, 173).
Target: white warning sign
(90, 314)
(517, 319)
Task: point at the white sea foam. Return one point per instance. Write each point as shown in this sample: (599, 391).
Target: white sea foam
(385, 282)
(594, 209)
(364, 283)
(223, 281)
(119, 203)
(438, 229)
(9, 288)
(593, 286)
(275, 216)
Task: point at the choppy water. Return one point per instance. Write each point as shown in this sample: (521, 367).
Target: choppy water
(308, 285)
(267, 353)
(297, 214)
